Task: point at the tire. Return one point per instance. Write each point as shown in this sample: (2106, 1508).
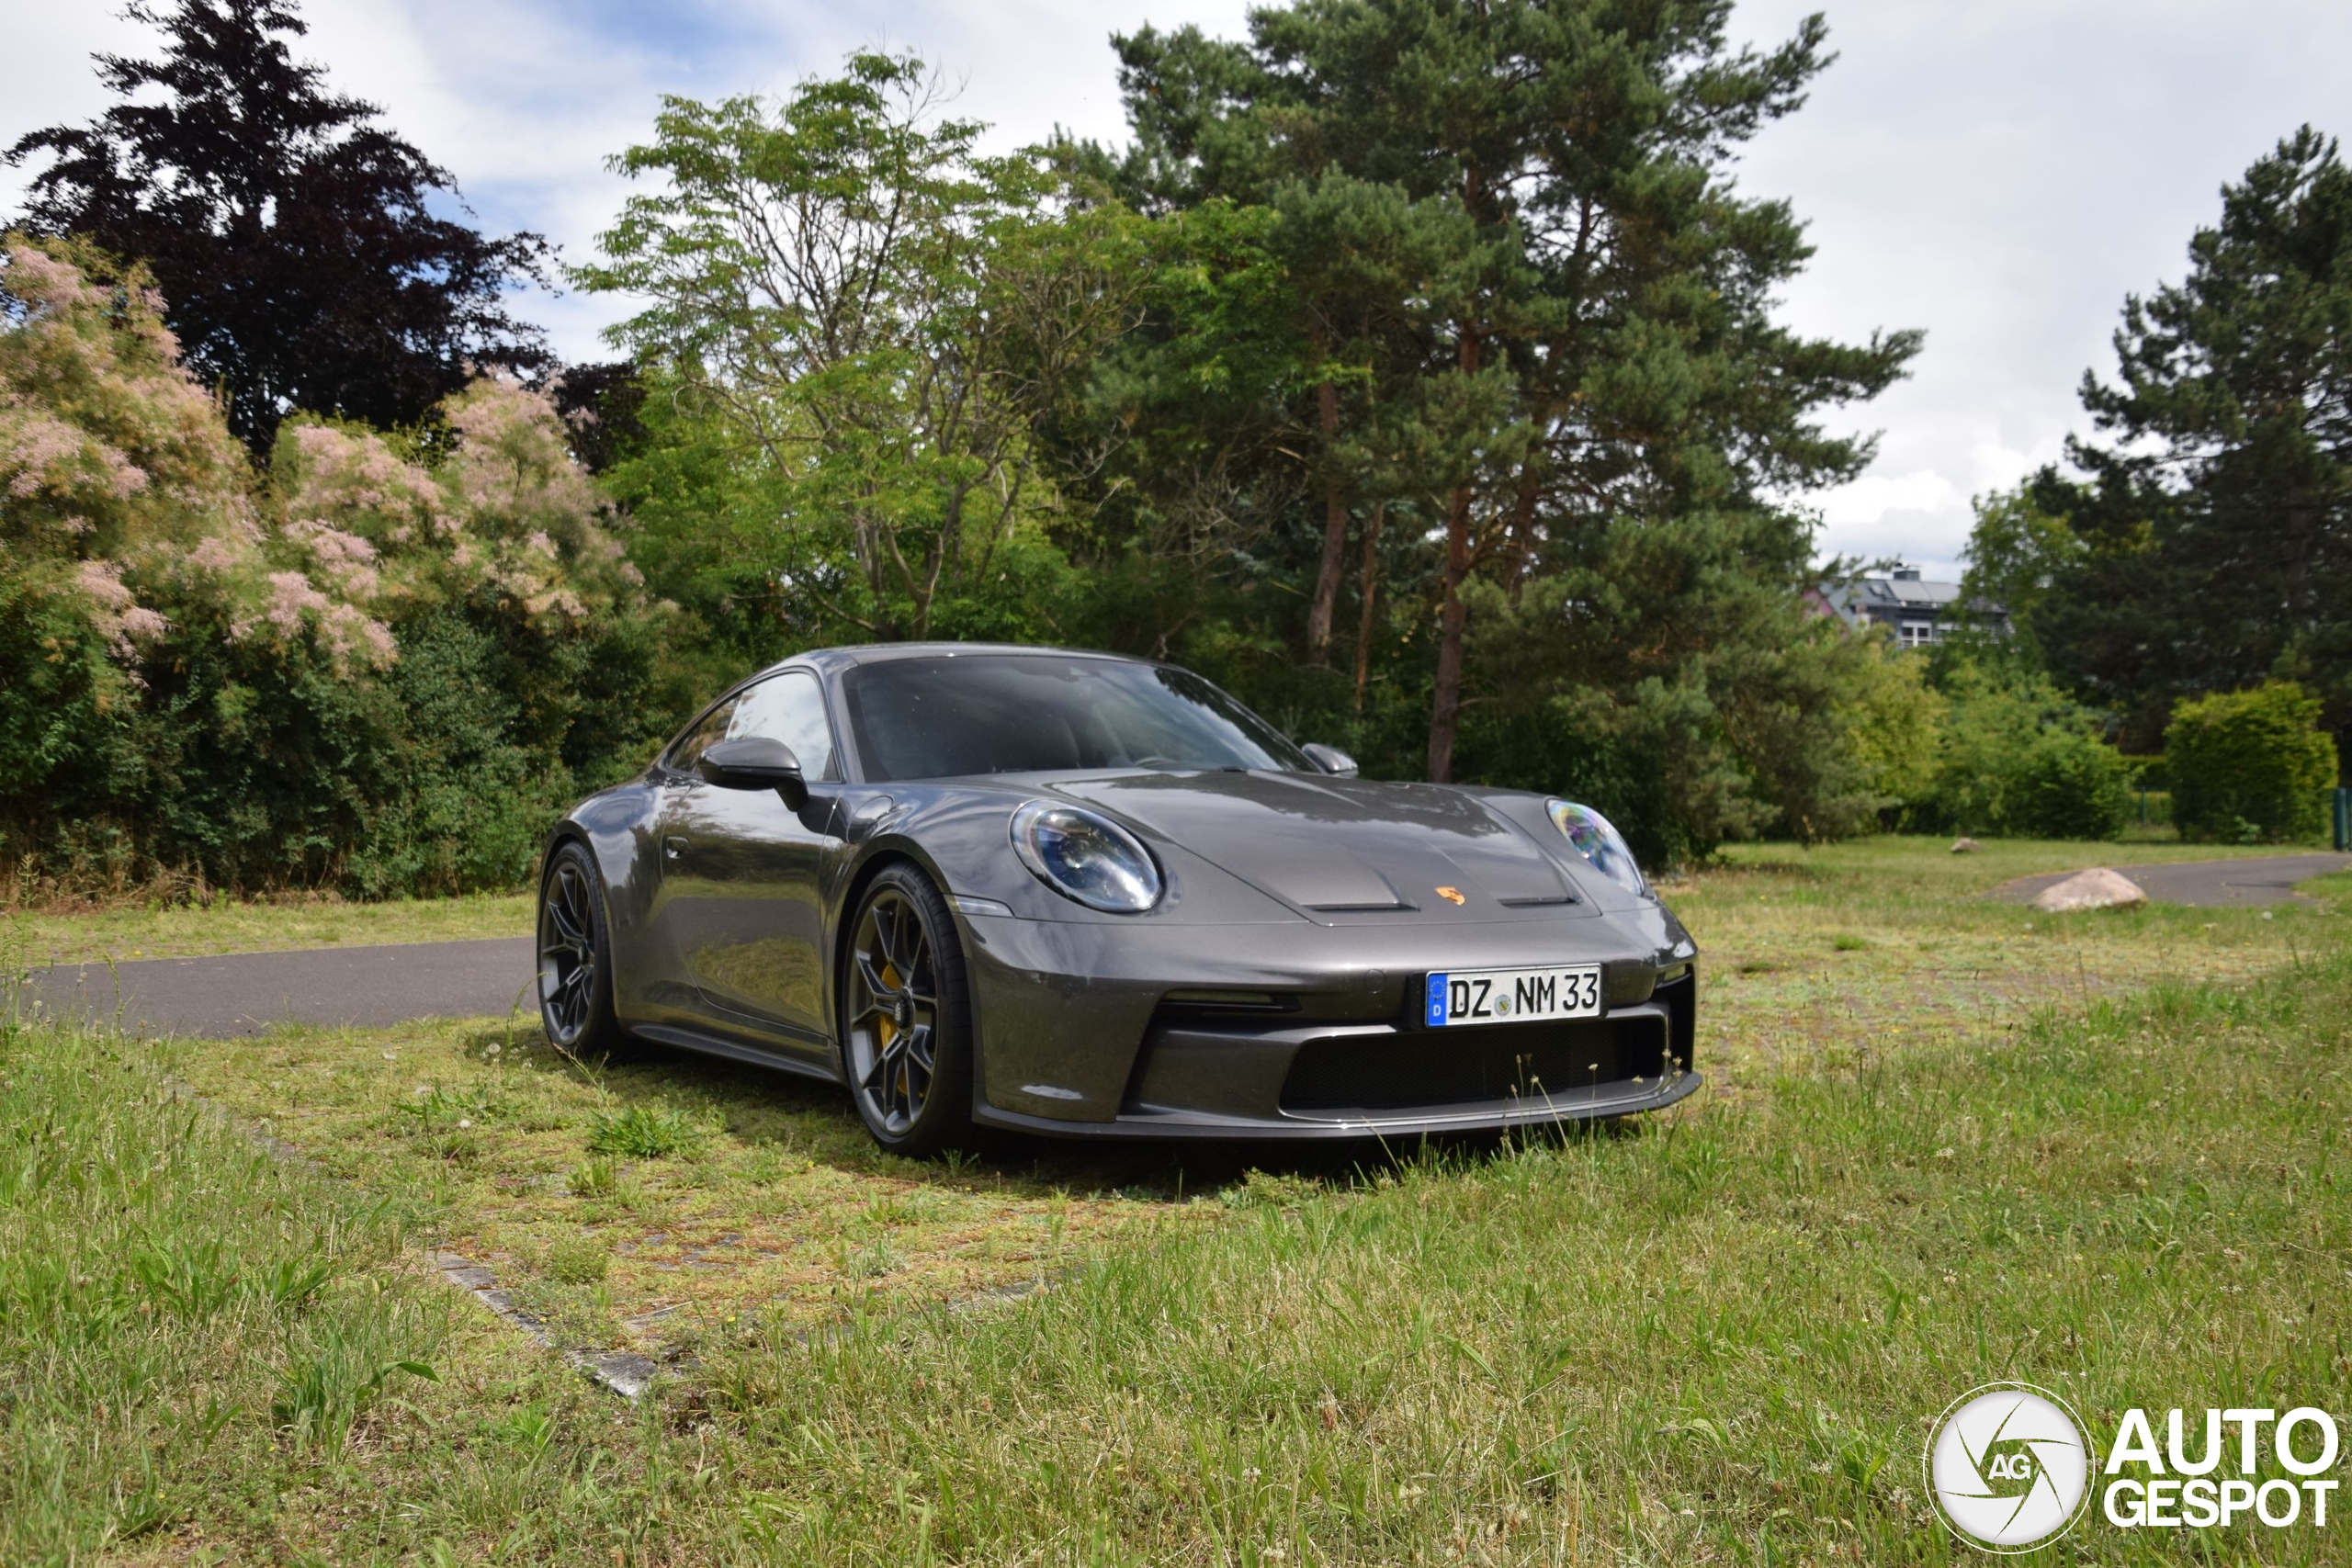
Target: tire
(576, 957)
(905, 1016)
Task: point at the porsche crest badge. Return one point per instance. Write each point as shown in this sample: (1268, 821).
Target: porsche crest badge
(1451, 895)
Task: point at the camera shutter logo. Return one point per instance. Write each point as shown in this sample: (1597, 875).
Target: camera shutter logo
(2008, 1468)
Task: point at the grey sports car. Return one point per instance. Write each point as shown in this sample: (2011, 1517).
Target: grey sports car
(1082, 895)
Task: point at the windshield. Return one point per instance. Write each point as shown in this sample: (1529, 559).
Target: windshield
(951, 715)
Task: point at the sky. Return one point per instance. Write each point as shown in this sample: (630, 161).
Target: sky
(1998, 172)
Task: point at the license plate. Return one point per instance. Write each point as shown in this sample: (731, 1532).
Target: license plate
(1512, 996)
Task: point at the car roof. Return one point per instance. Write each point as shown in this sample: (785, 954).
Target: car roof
(831, 661)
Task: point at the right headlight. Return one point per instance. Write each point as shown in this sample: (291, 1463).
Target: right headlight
(1085, 857)
(1599, 842)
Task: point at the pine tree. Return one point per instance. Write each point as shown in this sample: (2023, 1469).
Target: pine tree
(291, 235)
(2216, 531)
(1605, 392)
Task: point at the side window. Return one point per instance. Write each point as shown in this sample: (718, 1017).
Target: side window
(789, 708)
(688, 750)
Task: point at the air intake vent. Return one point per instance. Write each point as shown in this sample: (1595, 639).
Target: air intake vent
(1217, 1002)
(1469, 1066)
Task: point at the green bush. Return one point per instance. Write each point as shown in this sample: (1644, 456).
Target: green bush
(2069, 786)
(2017, 759)
(2250, 766)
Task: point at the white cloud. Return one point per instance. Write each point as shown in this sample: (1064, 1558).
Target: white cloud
(2002, 172)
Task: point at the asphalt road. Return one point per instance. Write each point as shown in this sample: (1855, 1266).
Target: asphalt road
(244, 993)
(2206, 884)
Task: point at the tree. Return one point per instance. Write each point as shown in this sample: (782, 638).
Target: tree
(2216, 523)
(2016, 553)
(1604, 387)
(877, 315)
(293, 236)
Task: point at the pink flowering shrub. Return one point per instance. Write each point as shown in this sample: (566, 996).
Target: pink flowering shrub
(379, 664)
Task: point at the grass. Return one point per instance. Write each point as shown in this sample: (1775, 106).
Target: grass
(2102, 1154)
(714, 1192)
(227, 925)
(181, 1317)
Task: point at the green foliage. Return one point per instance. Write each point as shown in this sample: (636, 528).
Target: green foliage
(2018, 759)
(2251, 766)
(2016, 551)
(2068, 784)
(1450, 424)
(1521, 379)
(862, 318)
(1893, 721)
(644, 1132)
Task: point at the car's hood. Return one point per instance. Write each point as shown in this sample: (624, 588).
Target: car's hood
(1346, 852)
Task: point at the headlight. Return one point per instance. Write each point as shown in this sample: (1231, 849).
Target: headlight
(1599, 842)
(1089, 858)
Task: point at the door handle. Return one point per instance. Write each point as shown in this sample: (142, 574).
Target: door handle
(674, 845)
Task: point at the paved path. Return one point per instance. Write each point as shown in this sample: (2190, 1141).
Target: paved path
(244, 993)
(2208, 883)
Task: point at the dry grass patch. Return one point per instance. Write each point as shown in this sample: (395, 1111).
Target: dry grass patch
(665, 1198)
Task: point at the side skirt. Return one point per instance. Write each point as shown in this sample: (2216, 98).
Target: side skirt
(711, 1044)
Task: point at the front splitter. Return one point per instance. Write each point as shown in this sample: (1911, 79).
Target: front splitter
(1601, 1103)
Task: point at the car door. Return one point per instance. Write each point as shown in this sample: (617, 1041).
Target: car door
(740, 870)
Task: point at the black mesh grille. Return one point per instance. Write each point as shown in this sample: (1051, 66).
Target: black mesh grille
(1457, 1066)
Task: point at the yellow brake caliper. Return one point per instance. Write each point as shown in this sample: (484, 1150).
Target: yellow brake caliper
(890, 1029)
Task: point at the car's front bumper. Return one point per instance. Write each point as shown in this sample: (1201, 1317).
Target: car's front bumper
(1088, 1031)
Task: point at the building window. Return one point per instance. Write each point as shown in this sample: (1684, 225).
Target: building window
(1919, 634)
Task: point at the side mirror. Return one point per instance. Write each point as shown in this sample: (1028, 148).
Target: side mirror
(1331, 760)
(754, 762)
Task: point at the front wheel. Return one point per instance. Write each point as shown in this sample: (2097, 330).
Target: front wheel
(906, 1022)
(575, 958)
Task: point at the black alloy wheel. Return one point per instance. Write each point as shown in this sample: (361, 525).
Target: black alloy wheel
(575, 968)
(906, 1037)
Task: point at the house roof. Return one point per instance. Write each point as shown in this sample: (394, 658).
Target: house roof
(1901, 594)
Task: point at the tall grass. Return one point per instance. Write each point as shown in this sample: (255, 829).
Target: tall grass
(186, 1323)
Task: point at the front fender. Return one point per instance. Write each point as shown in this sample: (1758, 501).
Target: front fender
(618, 828)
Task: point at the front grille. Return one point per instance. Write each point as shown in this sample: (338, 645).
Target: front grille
(1460, 1066)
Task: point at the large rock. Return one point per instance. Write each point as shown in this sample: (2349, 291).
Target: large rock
(2097, 889)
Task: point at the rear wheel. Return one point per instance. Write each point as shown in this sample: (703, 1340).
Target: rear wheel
(906, 1023)
(575, 956)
